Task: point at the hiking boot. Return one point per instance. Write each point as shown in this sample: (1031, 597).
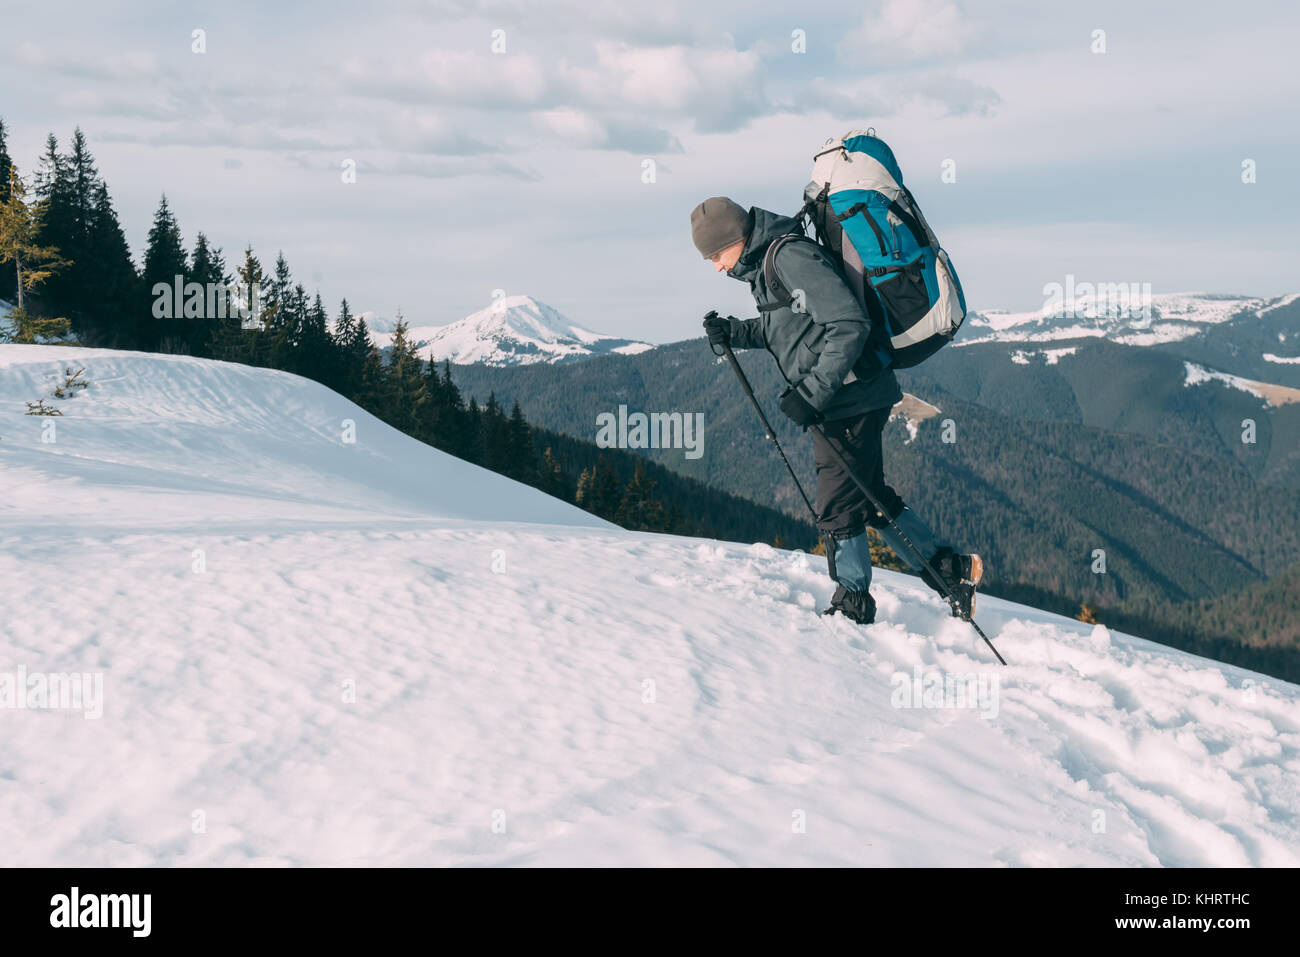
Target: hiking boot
(961, 573)
(856, 605)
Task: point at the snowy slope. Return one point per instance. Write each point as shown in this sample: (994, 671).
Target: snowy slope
(1172, 317)
(600, 696)
(514, 330)
(1273, 395)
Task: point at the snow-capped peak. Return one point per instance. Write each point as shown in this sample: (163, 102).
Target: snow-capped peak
(512, 330)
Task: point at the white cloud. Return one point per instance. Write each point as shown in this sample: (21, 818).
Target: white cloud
(573, 126)
(719, 88)
(900, 31)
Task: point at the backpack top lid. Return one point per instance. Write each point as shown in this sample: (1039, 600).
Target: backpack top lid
(857, 160)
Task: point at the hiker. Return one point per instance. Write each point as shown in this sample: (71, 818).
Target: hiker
(817, 332)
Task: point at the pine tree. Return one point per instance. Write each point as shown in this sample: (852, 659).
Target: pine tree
(582, 492)
(300, 324)
(606, 493)
(350, 357)
(494, 431)
(6, 165)
(317, 356)
(110, 275)
(241, 336)
(374, 377)
(208, 269)
(553, 480)
(83, 180)
(405, 389)
(53, 188)
(473, 433)
(279, 326)
(458, 431)
(20, 227)
(638, 509)
(355, 347)
(521, 463)
(164, 260)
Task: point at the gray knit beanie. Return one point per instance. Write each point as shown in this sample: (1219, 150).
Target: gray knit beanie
(718, 223)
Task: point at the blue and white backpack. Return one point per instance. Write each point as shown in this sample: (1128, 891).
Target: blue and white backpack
(892, 260)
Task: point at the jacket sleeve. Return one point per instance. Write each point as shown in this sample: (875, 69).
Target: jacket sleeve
(748, 334)
(830, 303)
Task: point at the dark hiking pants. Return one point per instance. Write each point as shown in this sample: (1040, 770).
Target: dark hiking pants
(843, 511)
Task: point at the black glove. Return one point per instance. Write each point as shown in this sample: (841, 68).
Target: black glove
(797, 407)
(719, 329)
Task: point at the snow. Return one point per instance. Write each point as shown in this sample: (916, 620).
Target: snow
(913, 411)
(1172, 317)
(1273, 395)
(531, 685)
(514, 330)
(1280, 303)
(1270, 357)
(1051, 356)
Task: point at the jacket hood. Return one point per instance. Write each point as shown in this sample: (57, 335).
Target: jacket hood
(767, 227)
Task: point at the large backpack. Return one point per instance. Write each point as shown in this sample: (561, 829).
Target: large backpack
(891, 259)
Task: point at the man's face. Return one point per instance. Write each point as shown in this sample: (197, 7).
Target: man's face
(724, 260)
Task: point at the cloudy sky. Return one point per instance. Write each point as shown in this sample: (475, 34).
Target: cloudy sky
(502, 144)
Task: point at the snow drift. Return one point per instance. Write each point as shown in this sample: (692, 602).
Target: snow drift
(316, 652)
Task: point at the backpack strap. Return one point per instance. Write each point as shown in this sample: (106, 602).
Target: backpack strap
(781, 295)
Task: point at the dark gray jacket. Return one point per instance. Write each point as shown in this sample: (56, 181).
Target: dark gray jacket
(815, 349)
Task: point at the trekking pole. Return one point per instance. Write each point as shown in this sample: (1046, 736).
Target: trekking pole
(880, 510)
(771, 433)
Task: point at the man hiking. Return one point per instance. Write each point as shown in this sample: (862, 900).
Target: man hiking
(816, 330)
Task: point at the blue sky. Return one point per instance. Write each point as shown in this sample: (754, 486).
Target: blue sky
(522, 170)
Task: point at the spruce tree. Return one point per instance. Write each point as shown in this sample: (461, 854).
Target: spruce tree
(473, 433)
(553, 481)
(208, 269)
(240, 337)
(317, 357)
(53, 189)
(110, 277)
(6, 165)
(404, 388)
(582, 493)
(494, 431)
(348, 361)
(522, 454)
(164, 260)
(279, 326)
(374, 377)
(21, 229)
(638, 509)
(606, 493)
(458, 431)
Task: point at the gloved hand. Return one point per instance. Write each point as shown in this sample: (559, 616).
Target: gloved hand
(718, 329)
(796, 407)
